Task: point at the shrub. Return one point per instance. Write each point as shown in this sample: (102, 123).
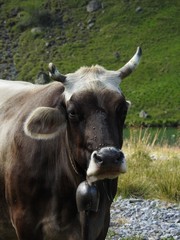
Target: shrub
(36, 17)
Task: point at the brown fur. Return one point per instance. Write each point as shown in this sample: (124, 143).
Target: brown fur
(40, 181)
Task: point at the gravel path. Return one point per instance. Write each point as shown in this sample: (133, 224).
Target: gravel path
(146, 219)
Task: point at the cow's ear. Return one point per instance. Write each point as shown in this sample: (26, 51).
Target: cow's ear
(44, 123)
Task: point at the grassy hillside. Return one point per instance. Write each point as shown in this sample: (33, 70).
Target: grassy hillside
(71, 37)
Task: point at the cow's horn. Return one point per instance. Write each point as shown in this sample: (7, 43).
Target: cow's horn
(55, 74)
(131, 65)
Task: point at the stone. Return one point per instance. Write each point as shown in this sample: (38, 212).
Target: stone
(93, 5)
(14, 12)
(135, 200)
(36, 30)
(117, 55)
(144, 219)
(90, 25)
(42, 78)
(139, 9)
(143, 114)
(49, 44)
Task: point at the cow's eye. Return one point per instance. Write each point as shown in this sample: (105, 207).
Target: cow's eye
(72, 114)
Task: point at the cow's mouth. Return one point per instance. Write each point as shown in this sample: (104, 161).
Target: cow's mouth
(102, 175)
(106, 163)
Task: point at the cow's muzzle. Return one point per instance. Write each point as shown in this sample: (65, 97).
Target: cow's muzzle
(107, 162)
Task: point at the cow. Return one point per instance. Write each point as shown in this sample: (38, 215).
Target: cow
(60, 153)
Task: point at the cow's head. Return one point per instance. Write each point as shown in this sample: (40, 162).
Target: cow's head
(95, 111)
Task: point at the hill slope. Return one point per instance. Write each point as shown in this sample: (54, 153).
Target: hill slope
(33, 33)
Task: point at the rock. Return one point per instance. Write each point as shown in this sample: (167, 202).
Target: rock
(36, 30)
(91, 22)
(143, 114)
(135, 200)
(138, 9)
(117, 55)
(93, 5)
(14, 12)
(90, 25)
(7, 67)
(42, 78)
(80, 25)
(143, 219)
(49, 44)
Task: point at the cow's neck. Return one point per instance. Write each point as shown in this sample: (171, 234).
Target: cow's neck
(76, 171)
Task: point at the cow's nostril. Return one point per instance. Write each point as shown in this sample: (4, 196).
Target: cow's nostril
(98, 158)
(117, 160)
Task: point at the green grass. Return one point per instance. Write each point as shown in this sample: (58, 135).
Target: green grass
(154, 86)
(153, 170)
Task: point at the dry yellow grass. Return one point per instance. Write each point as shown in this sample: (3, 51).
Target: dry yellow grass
(153, 170)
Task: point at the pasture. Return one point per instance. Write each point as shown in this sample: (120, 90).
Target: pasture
(153, 168)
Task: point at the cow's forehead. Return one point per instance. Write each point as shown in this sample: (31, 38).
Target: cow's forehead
(93, 78)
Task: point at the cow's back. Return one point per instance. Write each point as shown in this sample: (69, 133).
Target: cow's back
(9, 89)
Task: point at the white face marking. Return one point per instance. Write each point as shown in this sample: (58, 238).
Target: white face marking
(92, 166)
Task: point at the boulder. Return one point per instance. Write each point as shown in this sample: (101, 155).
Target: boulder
(36, 30)
(93, 5)
(138, 9)
(143, 114)
(42, 78)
